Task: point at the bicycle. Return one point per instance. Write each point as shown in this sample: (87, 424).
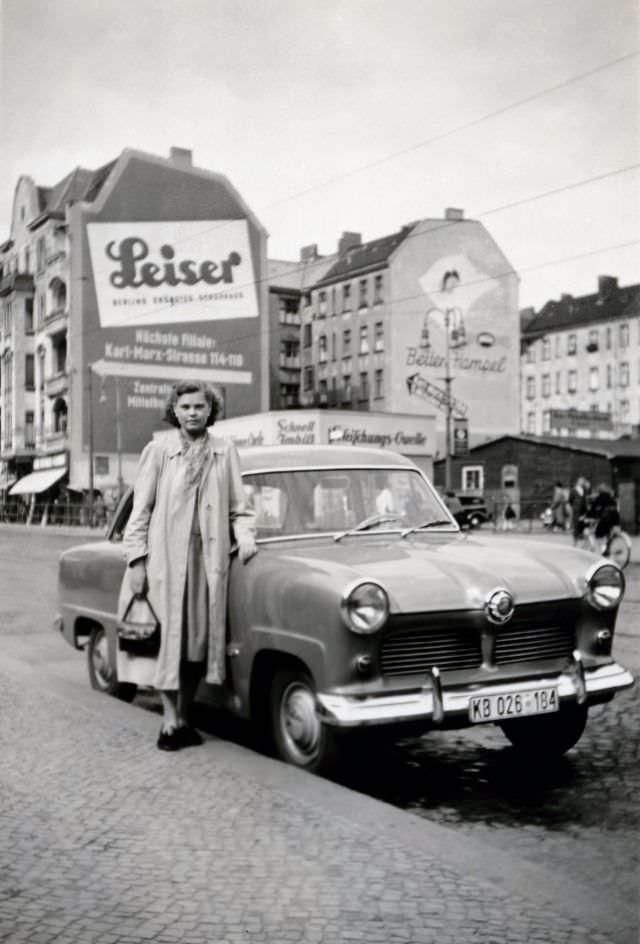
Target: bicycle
(616, 545)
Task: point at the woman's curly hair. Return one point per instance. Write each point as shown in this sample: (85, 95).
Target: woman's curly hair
(192, 386)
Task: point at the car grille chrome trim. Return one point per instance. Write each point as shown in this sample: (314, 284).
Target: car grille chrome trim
(412, 645)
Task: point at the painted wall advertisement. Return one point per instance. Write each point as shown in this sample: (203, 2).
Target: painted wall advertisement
(456, 336)
(175, 300)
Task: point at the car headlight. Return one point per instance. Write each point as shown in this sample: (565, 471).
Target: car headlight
(364, 606)
(605, 586)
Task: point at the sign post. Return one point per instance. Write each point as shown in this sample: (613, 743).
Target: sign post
(460, 436)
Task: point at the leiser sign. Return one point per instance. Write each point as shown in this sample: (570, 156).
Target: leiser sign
(151, 273)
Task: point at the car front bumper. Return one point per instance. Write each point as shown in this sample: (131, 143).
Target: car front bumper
(434, 704)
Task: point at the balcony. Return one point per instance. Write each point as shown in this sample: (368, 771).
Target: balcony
(55, 321)
(290, 363)
(55, 439)
(17, 282)
(57, 384)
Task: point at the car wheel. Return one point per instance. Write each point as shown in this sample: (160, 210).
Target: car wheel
(475, 521)
(547, 735)
(102, 674)
(298, 735)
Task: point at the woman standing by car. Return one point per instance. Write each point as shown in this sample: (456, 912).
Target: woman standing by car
(188, 503)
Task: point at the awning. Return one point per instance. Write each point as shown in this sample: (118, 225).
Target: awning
(37, 481)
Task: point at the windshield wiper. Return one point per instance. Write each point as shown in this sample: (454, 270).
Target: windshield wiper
(424, 526)
(367, 523)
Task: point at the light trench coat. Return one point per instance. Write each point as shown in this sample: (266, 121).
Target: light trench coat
(159, 529)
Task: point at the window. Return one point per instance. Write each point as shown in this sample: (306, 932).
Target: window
(624, 406)
(472, 478)
(29, 436)
(378, 388)
(592, 343)
(377, 289)
(558, 381)
(546, 385)
(346, 297)
(364, 340)
(531, 388)
(322, 348)
(609, 376)
(530, 355)
(289, 313)
(546, 421)
(346, 343)
(572, 344)
(41, 308)
(29, 372)
(546, 349)
(333, 346)
(531, 423)
(308, 378)
(322, 304)
(623, 334)
(40, 254)
(364, 385)
(289, 353)
(558, 345)
(333, 300)
(306, 336)
(572, 381)
(594, 378)
(28, 316)
(364, 289)
(623, 374)
(346, 388)
(378, 343)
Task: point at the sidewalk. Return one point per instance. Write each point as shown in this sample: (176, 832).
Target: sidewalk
(105, 839)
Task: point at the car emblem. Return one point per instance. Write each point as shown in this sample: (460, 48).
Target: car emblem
(499, 606)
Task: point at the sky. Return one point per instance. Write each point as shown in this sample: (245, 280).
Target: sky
(359, 115)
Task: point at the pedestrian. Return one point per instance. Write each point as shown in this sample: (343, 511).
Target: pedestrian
(578, 504)
(559, 507)
(188, 502)
(509, 517)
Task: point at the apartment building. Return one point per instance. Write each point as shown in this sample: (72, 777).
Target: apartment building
(115, 283)
(580, 364)
(422, 321)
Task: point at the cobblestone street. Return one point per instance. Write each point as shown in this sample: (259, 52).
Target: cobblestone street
(104, 839)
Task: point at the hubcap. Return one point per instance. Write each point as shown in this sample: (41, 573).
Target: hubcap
(100, 660)
(299, 724)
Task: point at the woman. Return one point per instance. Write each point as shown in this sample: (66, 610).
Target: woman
(188, 504)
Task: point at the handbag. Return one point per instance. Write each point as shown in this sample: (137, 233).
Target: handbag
(139, 629)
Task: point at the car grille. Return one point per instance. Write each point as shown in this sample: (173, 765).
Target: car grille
(451, 641)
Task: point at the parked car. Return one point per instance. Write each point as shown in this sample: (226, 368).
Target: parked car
(474, 511)
(351, 618)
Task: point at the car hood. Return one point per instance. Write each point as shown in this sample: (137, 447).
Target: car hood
(444, 571)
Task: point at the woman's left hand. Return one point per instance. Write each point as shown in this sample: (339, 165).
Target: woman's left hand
(247, 547)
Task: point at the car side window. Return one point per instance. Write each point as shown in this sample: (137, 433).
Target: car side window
(121, 517)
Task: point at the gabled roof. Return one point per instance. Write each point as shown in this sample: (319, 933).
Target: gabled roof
(365, 257)
(298, 276)
(572, 312)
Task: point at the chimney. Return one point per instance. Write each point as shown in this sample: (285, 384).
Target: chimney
(526, 314)
(348, 241)
(565, 297)
(309, 253)
(181, 156)
(453, 214)
(607, 286)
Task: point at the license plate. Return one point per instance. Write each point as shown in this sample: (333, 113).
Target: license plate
(537, 701)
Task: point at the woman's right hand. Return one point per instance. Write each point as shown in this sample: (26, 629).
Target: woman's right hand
(138, 577)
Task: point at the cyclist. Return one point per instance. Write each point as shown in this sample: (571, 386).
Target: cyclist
(604, 510)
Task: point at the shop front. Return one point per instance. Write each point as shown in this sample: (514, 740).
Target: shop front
(411, 435)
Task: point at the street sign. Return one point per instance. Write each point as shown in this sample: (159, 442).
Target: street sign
(460, 436)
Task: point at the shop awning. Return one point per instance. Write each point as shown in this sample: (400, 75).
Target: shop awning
(37, 482)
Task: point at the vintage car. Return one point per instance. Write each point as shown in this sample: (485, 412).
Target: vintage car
(367, 607)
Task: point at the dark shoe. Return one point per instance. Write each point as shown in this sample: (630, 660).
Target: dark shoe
(169, 740)
(188, 736)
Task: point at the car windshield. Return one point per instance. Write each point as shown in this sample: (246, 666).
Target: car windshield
(313, 501)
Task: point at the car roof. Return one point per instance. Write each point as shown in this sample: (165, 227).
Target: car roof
(261, 458)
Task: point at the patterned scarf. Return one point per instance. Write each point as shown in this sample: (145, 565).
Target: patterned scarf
(196, 453)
